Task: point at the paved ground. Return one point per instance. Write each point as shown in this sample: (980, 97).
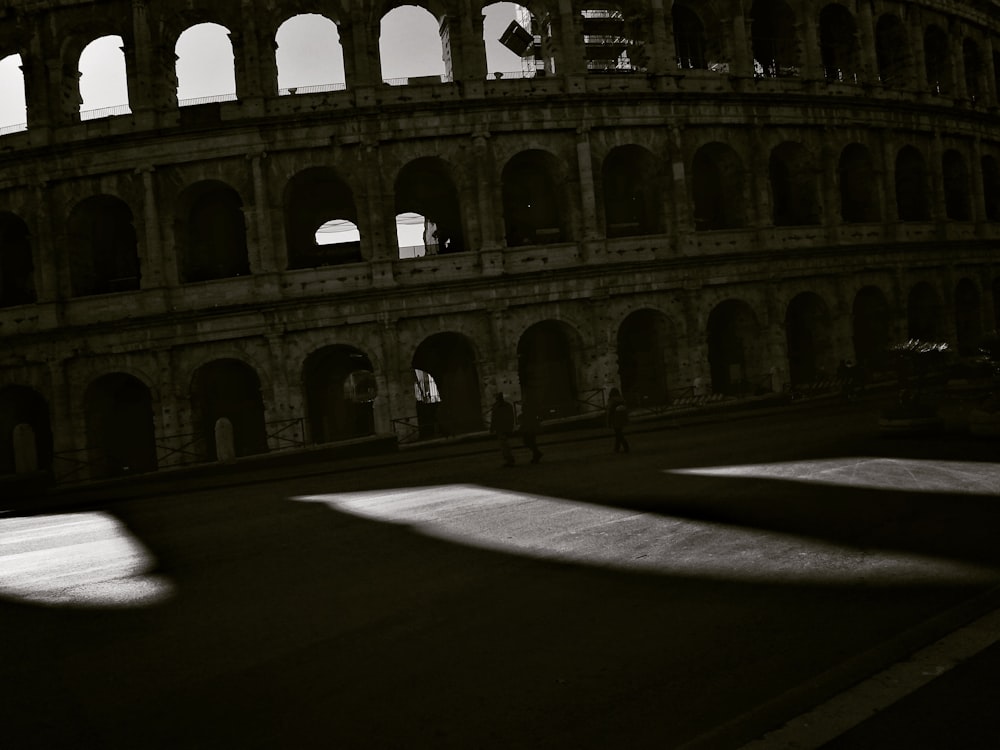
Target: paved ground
(719, 581)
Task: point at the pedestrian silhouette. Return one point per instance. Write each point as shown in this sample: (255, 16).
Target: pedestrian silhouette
(502, 425)
(531, 425)
(618, 418)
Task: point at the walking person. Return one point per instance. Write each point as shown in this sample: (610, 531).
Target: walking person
(531, 425)
(618, 418)
(502, 425)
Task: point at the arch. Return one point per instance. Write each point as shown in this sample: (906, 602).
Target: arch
(937, 60)
(642, 348)
(859, 190)
(501, 59)
(972, 67)
(411, 46)
(547, 356)
(309, 55)
(809, 338)
(102, 247)
(633, 202)
(734, 350)
(612, 40)
(534, 199)
(426, 187)
(690, 40)
(17, 285)
(839, 48)
(339, 385)
(13, 106)
(315, 198)
(957, 200)
(20, 405)
(911, 185)
(996, 303)
(717, 188)
(794, 193)
(774, 39)
(121, 438)
(103, 79)
(991, 187)
(892, 51)
(925, 314)
(871, 323)
(456, 408)
(205, 65)
(968, 317)
(211, 232)
(229, 388)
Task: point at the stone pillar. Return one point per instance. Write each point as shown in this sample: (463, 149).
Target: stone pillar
(812, 59)
(266, 256)
(662, 51)
(935, 171)
(157, 270)
(588, 198)
(989, 74)
(68, 435)
(51, 274)
(888, 155)
(916, 50)
(225, 443)
(41, 91)
(143, 83)
(395, 397)
(866, 44)
(678, 208)
(757, 187)
(489, 205)
(829, 182)
(955, 51)
(505, 379)
(978, 200)
(698, 372)
(741, 54)
(566, 45)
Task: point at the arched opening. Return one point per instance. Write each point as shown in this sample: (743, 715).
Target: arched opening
(510, 47)
(534, 200)
(633, 204)
(447, 388)
(642, 358)
(13, 108)
(546, 367)
(205, 65)
(340, 391)
(24, 406)
(733, 349)
(839, 48)
(411, 47)
(689, 37)
(120, 434)
(892, 51)
(809, 339)
(320, 220)
(937, 60)
(968, 317)
(996, 303)
(794, 196)
(972, 65)
(102, 247)
(911, 185)
(230, 389)
(309, 55)
(956, 186)
(871, 321)
(717, 188)
(612, 41)
(17, 284)
(212, 233)
(103, 79)
(859, 191)
(428, 216)
(991, 187)
(774, 40)
(925, 315)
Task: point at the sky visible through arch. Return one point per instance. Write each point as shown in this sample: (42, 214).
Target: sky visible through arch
(409, 44)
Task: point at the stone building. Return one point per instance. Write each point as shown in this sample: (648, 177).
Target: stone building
(724, 195)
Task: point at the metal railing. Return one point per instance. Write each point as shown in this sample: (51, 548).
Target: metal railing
(187, 450)
(96, 114)
(321, 88)
(207, 100)
(18, 128)
(286, 433)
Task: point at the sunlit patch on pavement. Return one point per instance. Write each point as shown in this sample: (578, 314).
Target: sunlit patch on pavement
(619, 538)
(899, 474)
(77, 560)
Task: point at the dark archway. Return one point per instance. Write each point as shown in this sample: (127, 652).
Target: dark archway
(925, 314)
(20, 405)
(892, 51)
(733, 348)
(426, 187)
(17, 285)
(340, 392)
(839, 48)
(717, 188)
(774, 39)
(690, 40)
(534, 200)
(956, 186)
(871, 321)
(632, 197)
(120, 432)
(642, 363)
(991, 187)
(546, 366)
(911, 185)
(968, 317)
(314, 198)
(859, 189)
(809, 339)
(794, 194)
(212, 233)
(937, 60)
(229, 388)
(456, 408)
(972, 65)
(101, 247)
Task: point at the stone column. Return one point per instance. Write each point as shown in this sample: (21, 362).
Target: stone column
(866, 44)
(158, 270)
(51, 274)
(678, 208)
(662, 51)
(757, 188)
(266, 256)
(829, 182)
(976, 196)
(566, 46)
(505, 374)
(812, 59)
(588, 197)
(740, 38)
(395, 397)
(935, 174)
(888, 155)
(916, 51)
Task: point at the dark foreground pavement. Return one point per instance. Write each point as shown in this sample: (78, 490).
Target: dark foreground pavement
(706, 591)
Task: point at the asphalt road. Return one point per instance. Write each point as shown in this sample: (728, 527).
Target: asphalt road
(718, 578)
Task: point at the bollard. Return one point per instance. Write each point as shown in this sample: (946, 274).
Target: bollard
(225, 445)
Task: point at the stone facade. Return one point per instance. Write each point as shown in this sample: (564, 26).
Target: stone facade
(750, 193)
